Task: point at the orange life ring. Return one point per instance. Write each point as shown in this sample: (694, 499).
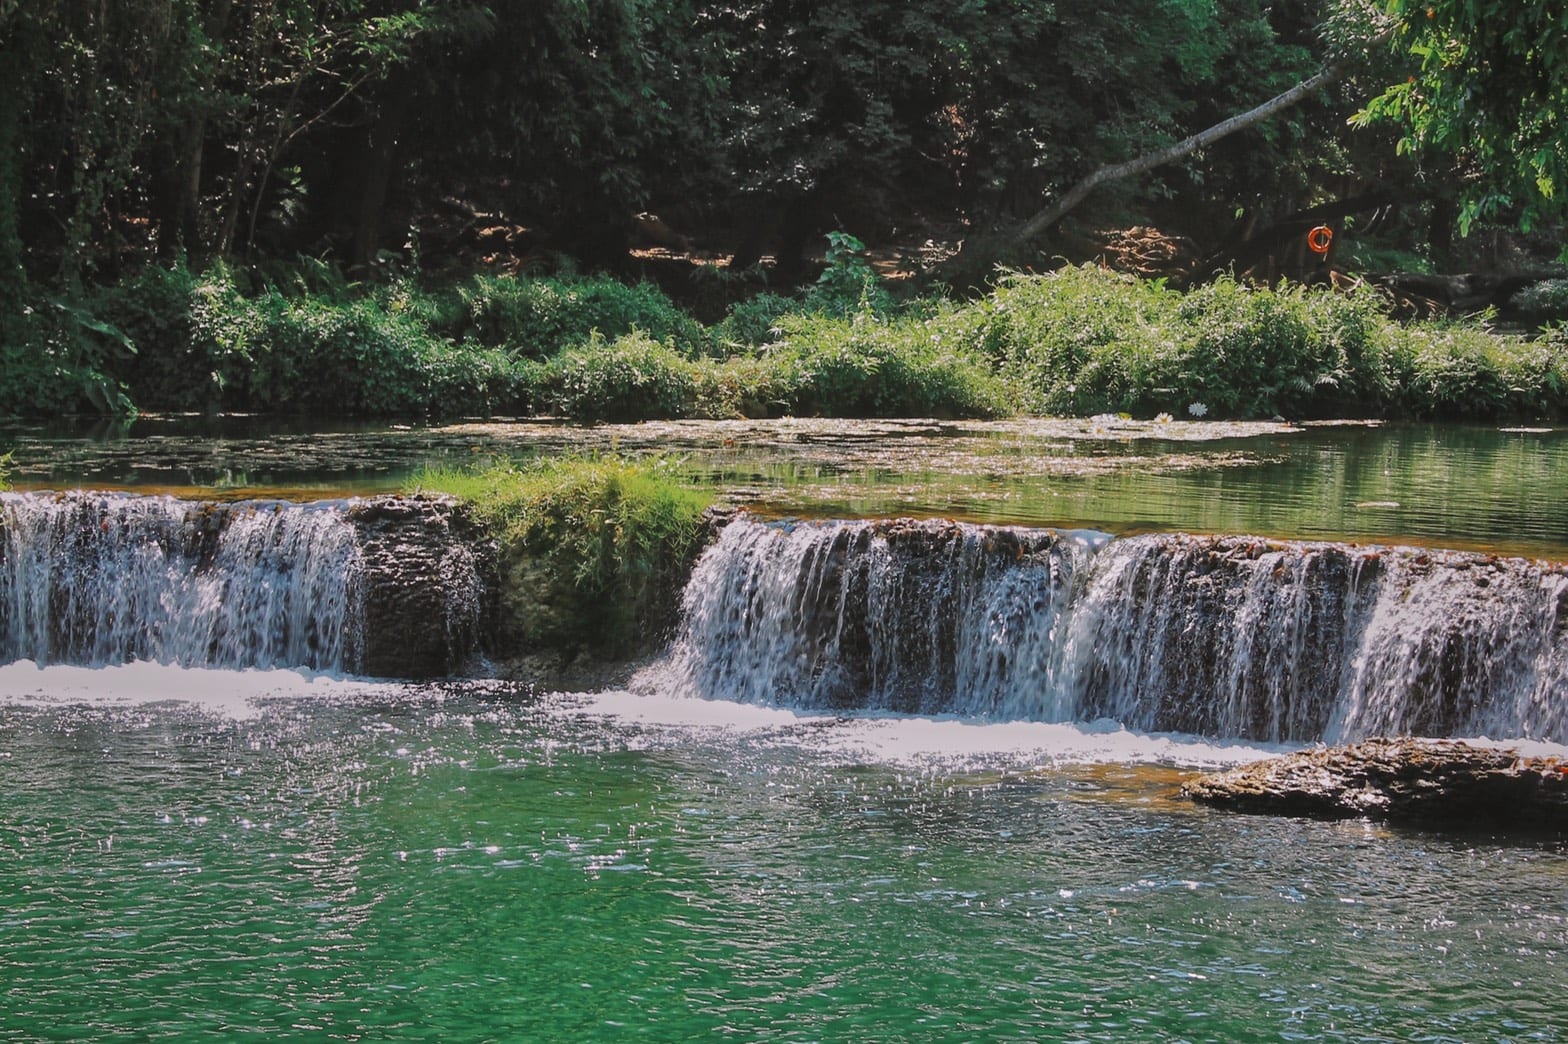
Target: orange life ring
(1319, 239)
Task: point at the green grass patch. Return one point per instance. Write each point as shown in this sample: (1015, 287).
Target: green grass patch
(593, 550)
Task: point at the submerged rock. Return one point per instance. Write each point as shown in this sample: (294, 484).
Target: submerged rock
(1444, 782)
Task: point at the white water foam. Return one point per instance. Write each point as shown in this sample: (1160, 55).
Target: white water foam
(238, 695)
(943, 742)
(940, 743)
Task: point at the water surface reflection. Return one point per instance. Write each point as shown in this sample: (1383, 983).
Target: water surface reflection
(1475, 487)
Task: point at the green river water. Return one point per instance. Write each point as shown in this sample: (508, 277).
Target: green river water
(370, 862)
(191, 854)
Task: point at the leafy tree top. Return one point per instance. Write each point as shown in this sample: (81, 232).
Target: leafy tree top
(1489, 82)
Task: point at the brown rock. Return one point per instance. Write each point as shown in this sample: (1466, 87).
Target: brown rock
(1443, 782)
(426, 571)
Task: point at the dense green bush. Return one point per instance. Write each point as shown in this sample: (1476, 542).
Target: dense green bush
(204, 344)
(537, 318)
(1248, 353)
(58, 356)
(1078, 341)
(1084, 340)
(157, 309)
(1545, 301)
(745, 386)
(631, 378)
(755, 322)
(864, 366)
(1462, 372)
(593, 550)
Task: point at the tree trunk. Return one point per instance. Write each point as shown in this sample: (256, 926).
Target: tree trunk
(380, 165)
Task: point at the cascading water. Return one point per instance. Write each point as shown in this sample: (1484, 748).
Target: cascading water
(100, 579)
(1237, 637)
(906, 617)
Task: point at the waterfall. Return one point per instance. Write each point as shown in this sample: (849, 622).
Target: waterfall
(99, 579)
(906, 617)
(1238, 637)
(390, 586)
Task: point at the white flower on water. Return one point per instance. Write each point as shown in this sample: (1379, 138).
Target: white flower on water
(1163, 418)
(1198, 409)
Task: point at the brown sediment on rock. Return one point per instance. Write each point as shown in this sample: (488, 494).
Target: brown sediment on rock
(1434, 782)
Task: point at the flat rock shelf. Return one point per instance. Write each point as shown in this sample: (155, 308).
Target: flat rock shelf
(1432, 782)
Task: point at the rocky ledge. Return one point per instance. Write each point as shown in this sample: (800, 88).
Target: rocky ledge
(1438, 782)
(425, 570)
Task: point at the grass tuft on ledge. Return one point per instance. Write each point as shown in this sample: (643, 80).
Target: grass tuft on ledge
(592, 550)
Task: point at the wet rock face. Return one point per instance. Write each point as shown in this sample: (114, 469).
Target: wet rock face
(426, 568)
(1435, 782)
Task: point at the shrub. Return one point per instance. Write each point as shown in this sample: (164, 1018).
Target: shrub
(755, 322)
(744, 386)
(154, 309)
(848, 282)
(1081, 341)
(1545, 301)
(1076, 340)
(56, 358)
(631, 378)
(1085, 340)
(203, 344)
(870, 367)
(1353, 328)
(1461, 371)
(537, 318)
(1250, 353)
(593, 550)
(311, 355)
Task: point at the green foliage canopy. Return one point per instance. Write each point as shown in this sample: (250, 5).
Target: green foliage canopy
(1489, 82)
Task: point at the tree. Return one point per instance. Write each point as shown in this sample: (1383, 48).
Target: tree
(569, 116)
(1489, 83)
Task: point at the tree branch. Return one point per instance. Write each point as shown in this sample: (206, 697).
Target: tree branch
(1149, 160)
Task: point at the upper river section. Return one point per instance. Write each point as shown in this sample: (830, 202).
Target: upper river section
(1497, 489)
